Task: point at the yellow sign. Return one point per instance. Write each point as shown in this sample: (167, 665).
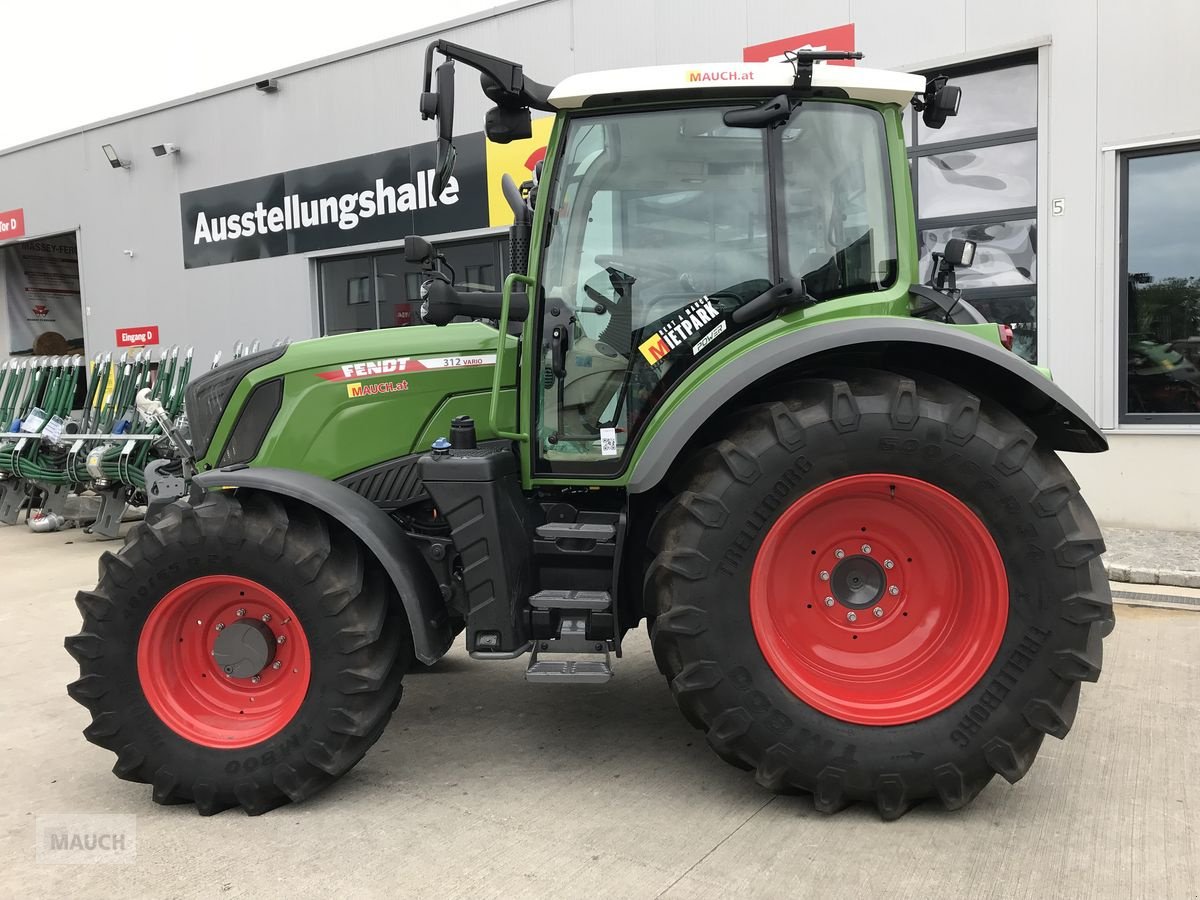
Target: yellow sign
(518, 160)
(654, 349)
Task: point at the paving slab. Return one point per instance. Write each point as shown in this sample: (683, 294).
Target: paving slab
(484, 786)
(1143, 556)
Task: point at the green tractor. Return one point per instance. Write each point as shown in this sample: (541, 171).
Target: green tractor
(714, 396)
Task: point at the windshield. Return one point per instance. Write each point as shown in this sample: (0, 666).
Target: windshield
(661, 227)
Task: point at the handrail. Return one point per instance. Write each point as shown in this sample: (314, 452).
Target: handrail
(501, 339)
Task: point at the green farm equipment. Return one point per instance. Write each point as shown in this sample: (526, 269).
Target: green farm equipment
(73, 432)
(715, 395)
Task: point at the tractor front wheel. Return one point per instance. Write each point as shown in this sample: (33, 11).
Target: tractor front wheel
(238, 652)
(878, 588)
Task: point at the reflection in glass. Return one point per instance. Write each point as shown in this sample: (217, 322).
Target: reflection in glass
(978, 180)
(347, 293)
(993, 102)
(1162, 281)
(1006, 255)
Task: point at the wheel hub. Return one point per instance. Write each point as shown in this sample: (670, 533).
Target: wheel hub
(858, 582)
(879, 599)
(244, 649)
(223, 661)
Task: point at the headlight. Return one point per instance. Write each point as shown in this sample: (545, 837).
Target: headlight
(209, 394)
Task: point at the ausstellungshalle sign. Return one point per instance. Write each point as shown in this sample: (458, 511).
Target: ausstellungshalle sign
(379, 197)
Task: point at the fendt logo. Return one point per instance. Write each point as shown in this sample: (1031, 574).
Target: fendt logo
(720, 75)
(401, 364)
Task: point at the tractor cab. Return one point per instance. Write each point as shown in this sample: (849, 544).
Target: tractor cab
(682, 207)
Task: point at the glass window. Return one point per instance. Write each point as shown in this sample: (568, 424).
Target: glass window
(976, 178)
(993, 102)
(1006, 253)
(381, 290)
(348, 295)
(662, 229)
(838, 200)
(984, 179)
(1161, 284)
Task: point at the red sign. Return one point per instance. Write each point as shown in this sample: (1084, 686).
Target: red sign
(839, 38)
(12, 224)
(138, 336)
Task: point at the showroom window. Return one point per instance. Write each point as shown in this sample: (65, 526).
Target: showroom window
(976, 178)
(1160, 285)
(381, 290)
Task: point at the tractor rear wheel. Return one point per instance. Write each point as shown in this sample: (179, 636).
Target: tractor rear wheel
(877, 588)
(238, 652)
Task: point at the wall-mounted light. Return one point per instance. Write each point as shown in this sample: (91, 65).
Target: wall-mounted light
(164, 149)
(114, 160)
(267, 85)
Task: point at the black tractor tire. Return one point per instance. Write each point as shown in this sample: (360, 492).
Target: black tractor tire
(848, 422)
(358, 644)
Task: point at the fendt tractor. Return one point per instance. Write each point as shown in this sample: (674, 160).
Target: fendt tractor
(715, 395)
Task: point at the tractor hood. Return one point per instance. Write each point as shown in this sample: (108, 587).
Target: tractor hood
(336, 405)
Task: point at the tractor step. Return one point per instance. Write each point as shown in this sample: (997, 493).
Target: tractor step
(569, 671)
(577, 531)
(578, 660)
(597, 601)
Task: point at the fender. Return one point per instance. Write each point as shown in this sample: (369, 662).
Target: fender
(888, 343)
(431, 631)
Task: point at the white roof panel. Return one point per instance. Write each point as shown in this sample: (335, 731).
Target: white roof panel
(876, 85)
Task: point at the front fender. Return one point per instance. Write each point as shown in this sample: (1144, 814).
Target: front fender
(379, 533)
(910, 344)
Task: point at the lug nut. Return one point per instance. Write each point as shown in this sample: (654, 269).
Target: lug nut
(878, 612)
(866, 548)
(888, 564)
(281, 639)
(894, 591)
(220, 626)
(829, 601)
(851, 616)
(256, 679)
(839, 553)
(824, 575)
(199, 622)
(241, 612)
(266, 617)
(277, 664)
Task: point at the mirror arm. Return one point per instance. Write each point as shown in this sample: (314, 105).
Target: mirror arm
(507, 74)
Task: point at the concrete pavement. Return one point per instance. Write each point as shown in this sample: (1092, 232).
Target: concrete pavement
(484, 786)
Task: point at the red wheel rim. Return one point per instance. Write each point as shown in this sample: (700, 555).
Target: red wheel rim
(191, 692)
(879, 599)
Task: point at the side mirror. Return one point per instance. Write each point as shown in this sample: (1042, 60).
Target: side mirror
(959, 252)
(939, 102)
(418, 251)
(440, 104)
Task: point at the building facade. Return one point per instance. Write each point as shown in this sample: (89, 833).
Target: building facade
(1075, 164)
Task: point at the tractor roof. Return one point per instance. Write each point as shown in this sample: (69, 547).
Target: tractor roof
(714, 79)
